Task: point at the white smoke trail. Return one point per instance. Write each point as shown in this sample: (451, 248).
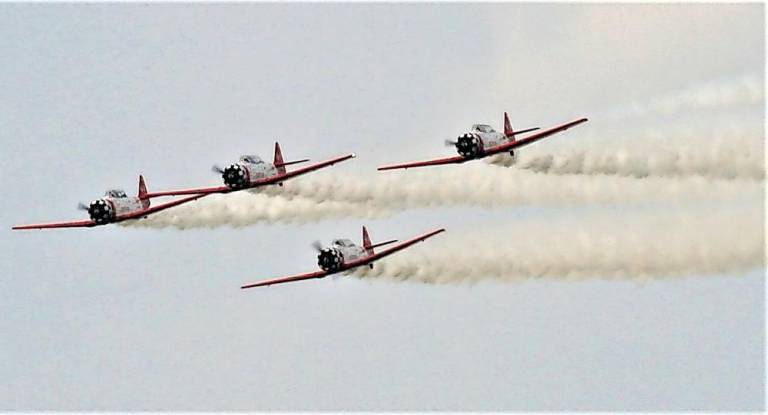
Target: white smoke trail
(245, 208)
(730, 155)
(480, 184)
(744, 90)
(639, 246)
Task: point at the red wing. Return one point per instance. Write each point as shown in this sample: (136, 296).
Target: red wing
(73, 224)
(309, 276)
(533, 138)
(262, 182)
(392, 250)
(447, 160)
(158, 208)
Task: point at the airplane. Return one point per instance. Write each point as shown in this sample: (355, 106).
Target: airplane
(251, 171)
(344, 255)
(483, 141)
(114, 207)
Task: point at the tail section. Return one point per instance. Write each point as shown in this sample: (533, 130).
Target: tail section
(367, 242)
(143, 192)
(508, 131)
(279, 164)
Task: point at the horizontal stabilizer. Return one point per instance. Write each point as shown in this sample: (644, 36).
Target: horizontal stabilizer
(383, 243)
(527, 130)
(288, 163)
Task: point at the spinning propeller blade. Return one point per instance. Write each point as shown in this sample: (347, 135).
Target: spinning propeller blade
(317, 246)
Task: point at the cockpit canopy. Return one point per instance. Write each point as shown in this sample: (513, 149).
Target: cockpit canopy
(251, 159)
(116, 193)
(343, 243)
(482, 128)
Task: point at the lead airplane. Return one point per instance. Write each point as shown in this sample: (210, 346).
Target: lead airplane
(251, 171)
(483, 141)
(344, 255)
(114, 207)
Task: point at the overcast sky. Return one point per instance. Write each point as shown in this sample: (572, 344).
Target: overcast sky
(116, 318)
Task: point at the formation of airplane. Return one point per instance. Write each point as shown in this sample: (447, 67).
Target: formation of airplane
(248, 173)
(251, 171)
(344, 255)
(483, 141)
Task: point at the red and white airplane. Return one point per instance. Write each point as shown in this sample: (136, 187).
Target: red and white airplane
(483, 141)
(251, 171)
(344, 255)
(114, 207)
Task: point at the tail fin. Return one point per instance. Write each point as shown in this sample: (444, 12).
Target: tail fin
(278, 162)
(143, 192)
(508, 131)
(367, 242)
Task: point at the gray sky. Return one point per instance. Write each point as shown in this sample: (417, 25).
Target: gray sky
(129, 319)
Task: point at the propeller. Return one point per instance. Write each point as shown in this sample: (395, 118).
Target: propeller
(449, 143)
(317, 246)
(82, 206)
(217, 169)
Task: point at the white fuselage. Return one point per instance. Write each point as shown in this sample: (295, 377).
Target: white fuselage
(348, 249)
(113, 205)
(340, 252)
(248, 170)
(473, 143)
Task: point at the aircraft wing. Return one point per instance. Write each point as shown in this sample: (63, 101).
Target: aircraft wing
(301, 277)
(261, 182)
(158, 208)
(532, 138)
(72, 224)
(437, 162)
(389, 251)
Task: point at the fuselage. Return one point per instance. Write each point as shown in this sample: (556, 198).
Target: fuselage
(473, 143)
(113, 205)
(246, 171)
(340, 252)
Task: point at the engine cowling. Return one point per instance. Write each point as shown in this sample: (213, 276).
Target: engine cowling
(469, 145)
(101, 211)
(235, 176)
(330, 259)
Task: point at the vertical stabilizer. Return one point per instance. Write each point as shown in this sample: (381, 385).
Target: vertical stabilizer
(143, 192)
(278, 162)
(508, 131)
(367, 242)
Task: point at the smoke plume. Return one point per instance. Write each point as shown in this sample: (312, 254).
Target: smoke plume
(731, 155)
(246, 208)
(643, 245)
(483, 185)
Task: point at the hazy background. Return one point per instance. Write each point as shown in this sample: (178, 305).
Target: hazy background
(121, 318)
